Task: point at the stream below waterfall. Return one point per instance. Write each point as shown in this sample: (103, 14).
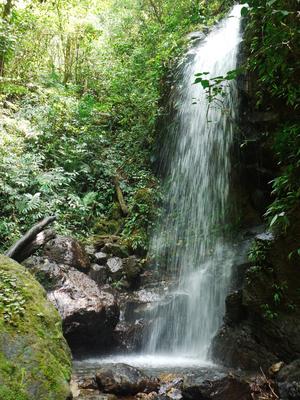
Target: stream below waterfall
(190, 242)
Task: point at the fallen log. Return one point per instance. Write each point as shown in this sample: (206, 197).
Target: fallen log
(32, 240)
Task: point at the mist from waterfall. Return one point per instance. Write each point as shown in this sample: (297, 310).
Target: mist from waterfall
(190, 241)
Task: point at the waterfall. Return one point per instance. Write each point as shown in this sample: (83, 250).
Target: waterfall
(190, 242)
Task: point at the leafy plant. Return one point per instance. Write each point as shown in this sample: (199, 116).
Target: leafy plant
(12, 301)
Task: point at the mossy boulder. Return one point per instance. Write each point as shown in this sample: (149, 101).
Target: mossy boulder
(35, 361)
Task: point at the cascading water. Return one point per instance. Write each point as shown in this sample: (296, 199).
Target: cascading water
(190, 242)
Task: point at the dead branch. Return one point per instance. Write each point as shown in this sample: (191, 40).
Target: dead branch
(31, 241)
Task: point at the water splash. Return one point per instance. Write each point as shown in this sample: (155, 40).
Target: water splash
(190, 241)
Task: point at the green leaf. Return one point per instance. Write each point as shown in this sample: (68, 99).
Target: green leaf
(205, 84)
(274, 219)
(244, 11)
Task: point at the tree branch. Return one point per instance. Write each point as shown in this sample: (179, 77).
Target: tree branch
(32, 239)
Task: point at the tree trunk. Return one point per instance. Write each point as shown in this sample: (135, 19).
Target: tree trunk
(5, 17)
(120, 197)
(31, 241)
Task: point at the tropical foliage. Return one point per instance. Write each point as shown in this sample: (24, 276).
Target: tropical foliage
(272, 40)
(80, 90)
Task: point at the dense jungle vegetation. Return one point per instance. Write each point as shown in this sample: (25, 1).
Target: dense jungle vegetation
(80, 89)
(81, 83)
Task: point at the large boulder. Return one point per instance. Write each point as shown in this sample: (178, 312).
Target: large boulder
(35, 361)
(288, 381)
(123, 379)
(236, 347)
(89, 313)
(219, 386)
(68, 251)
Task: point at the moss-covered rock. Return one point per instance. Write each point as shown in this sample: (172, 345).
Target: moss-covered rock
(35, 361)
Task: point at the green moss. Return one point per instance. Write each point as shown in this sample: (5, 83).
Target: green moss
(35, 361)
(107, 227)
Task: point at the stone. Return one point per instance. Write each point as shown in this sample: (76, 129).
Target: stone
(123, 379)
(217, 387)
(100, 258)
(87, 382)
(236, 347)
(171, 387)
(98, 273)
(129, 336)
(235, 311)
(49, 274)
(35, 361)
(115, 250)
(195, 36)
(267, 333)
(89, 313)
(174, 394)
(90, 250)
(147, 396)
(132, 271)
(275, 368)
(288, 381)
(68, 251)
(115, 267)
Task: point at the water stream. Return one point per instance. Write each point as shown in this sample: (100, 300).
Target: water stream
(190, 241)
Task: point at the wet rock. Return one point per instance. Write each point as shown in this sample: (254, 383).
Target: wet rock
(288, 381)
(235, 346)
(98, 273)
(129, 336)
(123, 379)
(127, 269)
(100, 258)
(174, 394)
(219, 387)
(171, 388)
(87, 382)
(195, 36)
(138, 304)
(89, 314)
(67, 251)
(235, 311)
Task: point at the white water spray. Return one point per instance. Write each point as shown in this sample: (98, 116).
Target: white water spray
(190, 241)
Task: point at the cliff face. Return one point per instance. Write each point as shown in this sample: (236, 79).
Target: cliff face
(261, 325)
(35, 361)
